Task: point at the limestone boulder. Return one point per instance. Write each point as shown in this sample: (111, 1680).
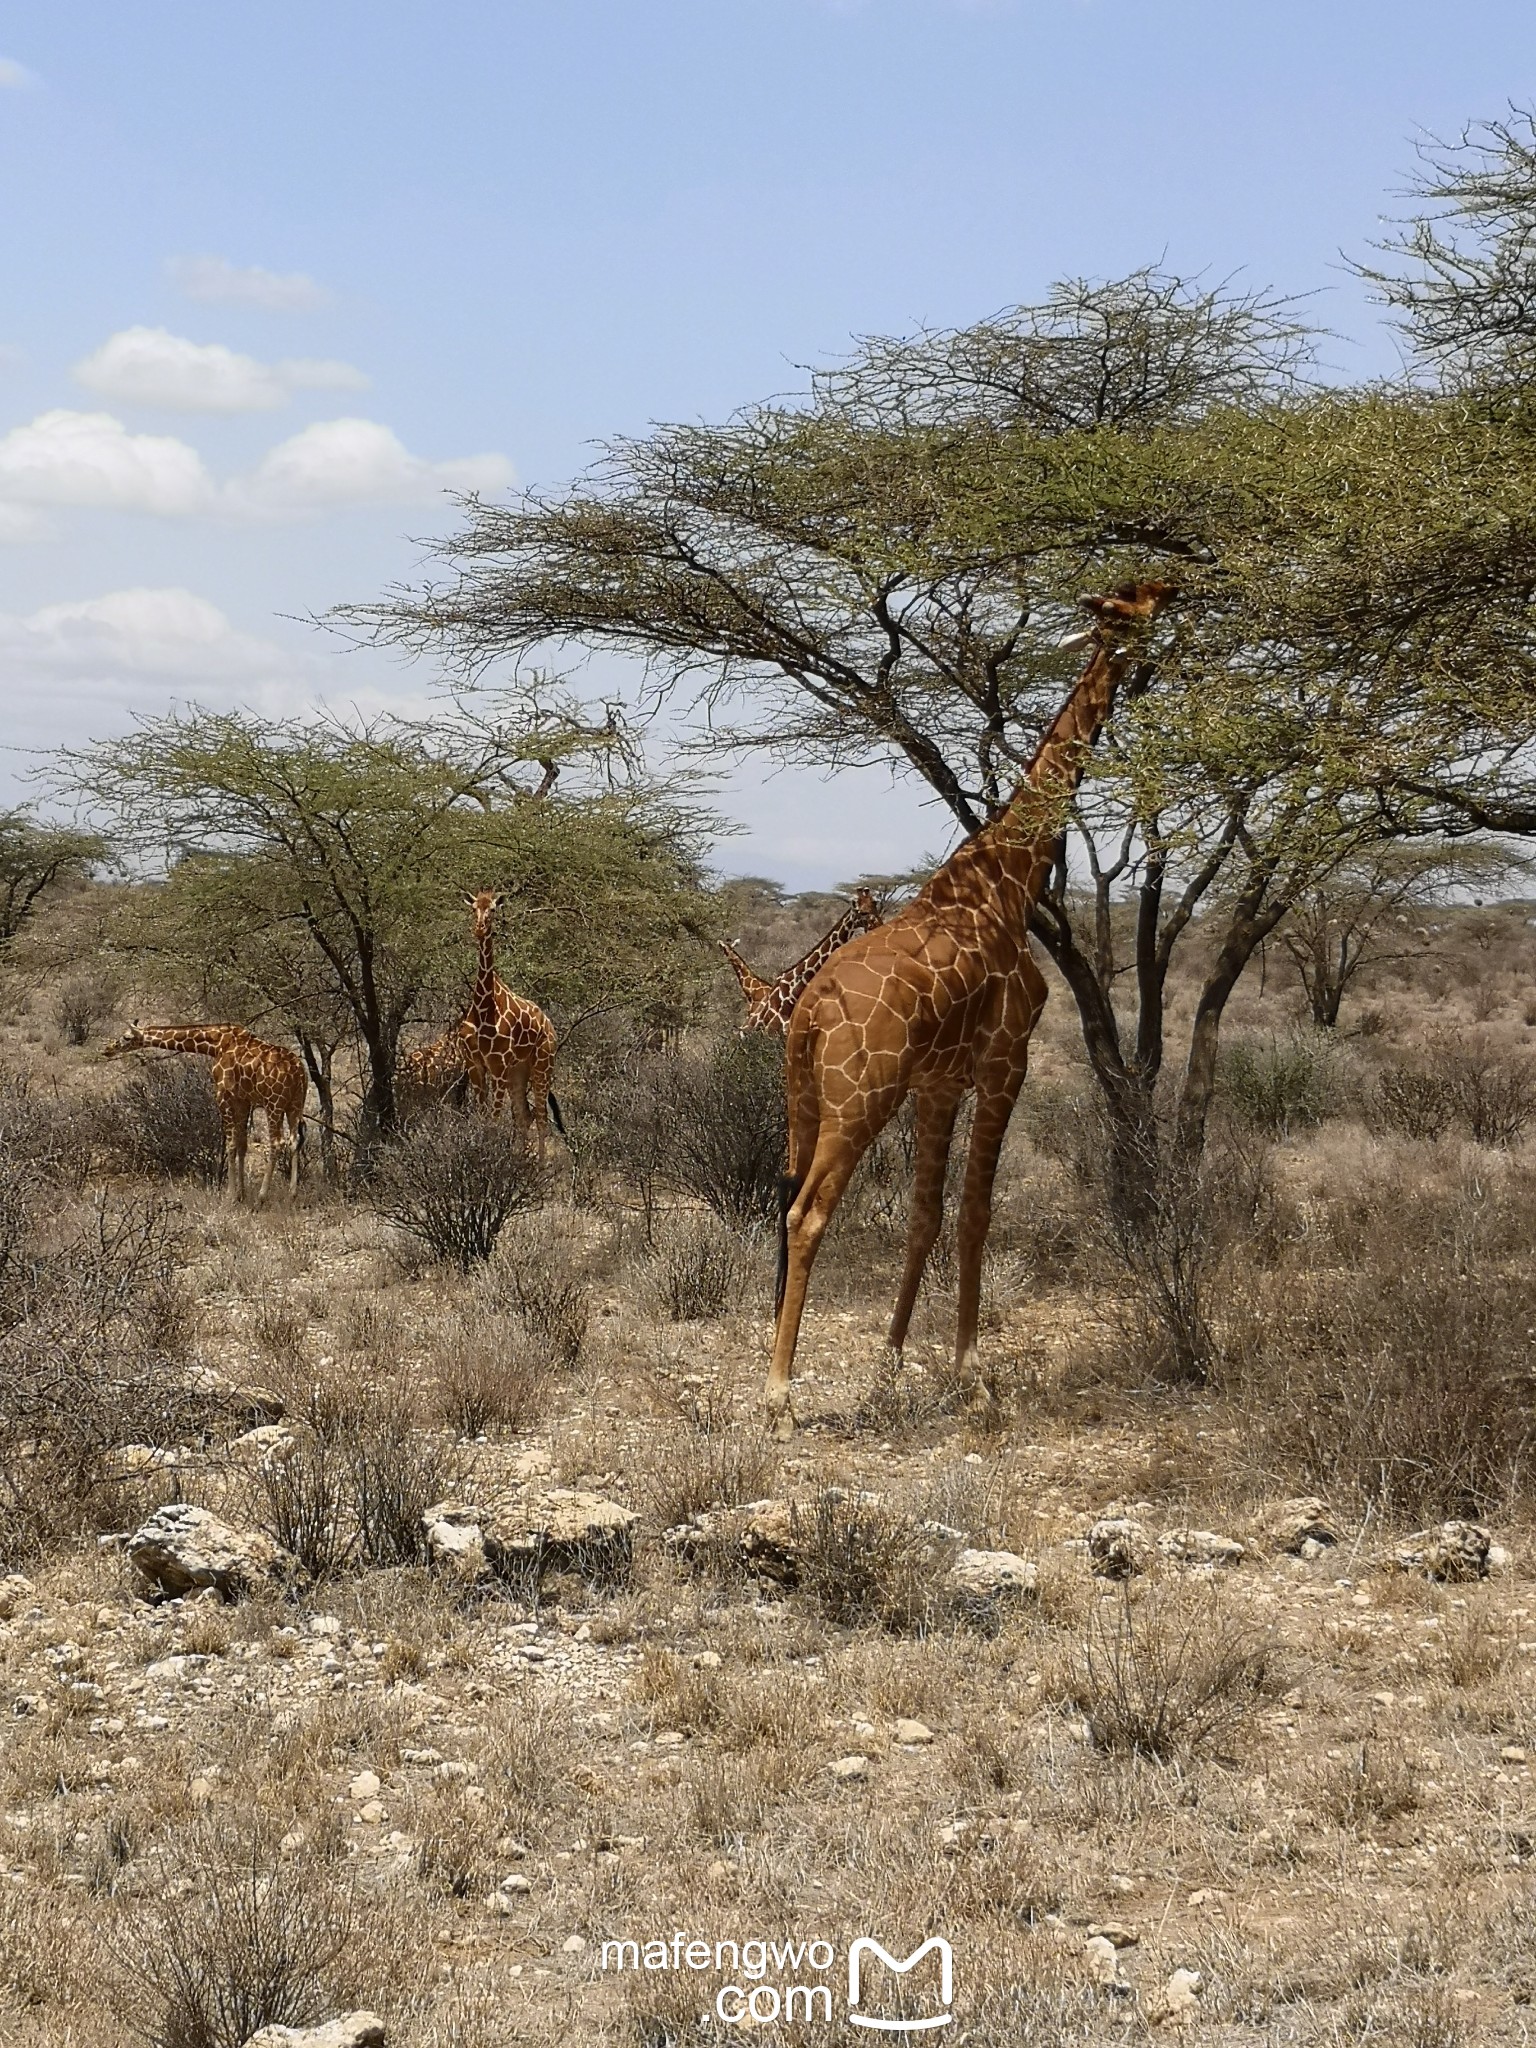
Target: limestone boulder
(183, 1549)
(1118, 1547)
(350, 2030)
(1455, 1552)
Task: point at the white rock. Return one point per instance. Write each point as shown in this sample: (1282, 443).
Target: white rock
(1118, 1548)
(364, 1786)
(14, 1592)
(986, 1579)
(515, 1881)
(182, 1548)
(849, 1768)
(1201, 1547)
(351, 2030)
(1304, 1526)
(1456, 1551)
(1103, 1963)
(454, 1539)
(913, 1731)
(573, 1944)
(1179, 1998)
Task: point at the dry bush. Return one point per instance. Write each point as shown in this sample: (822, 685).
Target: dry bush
(861, 1560)
(453, 1182)
(1464, 1085)
(732, 1796)
(85, 1002)
(701, 1270)
(1164, 1673)
(93, 1355)
(489, 1376)
(700, 1466)
(164, 1122)
(396, 1472)
(1374, 1782)
(543, 1276)
(247, 1939)
(1277, 1087)
(707, 1124)
(302, 1503)
(1408, 1385)
(281, 1329)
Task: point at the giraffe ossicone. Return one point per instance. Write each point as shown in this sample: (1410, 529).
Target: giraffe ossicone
(248, 1074)
(937, 1002)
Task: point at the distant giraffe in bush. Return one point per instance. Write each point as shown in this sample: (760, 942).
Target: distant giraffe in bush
(770, 1004)
(248, 1074)
(509, 1043)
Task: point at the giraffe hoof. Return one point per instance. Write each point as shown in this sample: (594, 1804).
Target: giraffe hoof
(781, 1424)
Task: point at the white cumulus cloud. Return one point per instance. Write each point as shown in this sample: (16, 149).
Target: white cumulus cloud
(355, 462)
(215, 278)
(15, 77)
(150, 366)
(90, 458)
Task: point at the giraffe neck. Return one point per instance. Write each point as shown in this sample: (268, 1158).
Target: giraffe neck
(805, 970)
(753, 987)
(1010, 858)
(482, 1000)
(205, 1040)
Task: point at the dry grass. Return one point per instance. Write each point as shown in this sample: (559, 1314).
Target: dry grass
(1308, 1778)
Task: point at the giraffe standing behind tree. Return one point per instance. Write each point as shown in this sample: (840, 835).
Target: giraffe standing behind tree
(939, 1000)
(509, 1043)
(248, 1074)
(770, 1004)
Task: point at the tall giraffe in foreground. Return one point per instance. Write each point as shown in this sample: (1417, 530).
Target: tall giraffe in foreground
(509, 1043)
(770, 1004)
(248, 1074)
(939, 1000)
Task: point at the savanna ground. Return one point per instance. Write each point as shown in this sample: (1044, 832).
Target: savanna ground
(1306, 1778)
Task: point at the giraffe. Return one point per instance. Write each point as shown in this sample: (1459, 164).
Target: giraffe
(770, 1003)
(509, 1043)
(438, 1069)
(940, 1000)
(248, 1074)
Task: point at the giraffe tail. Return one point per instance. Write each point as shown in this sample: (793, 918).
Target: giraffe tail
(554, 1110)
(790, 1185)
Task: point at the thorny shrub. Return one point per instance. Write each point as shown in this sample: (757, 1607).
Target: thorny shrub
(1165, 1673)
(164, 1122)
(701, 1270)
(862, 1560)
(247, 1939)
(453, 1182)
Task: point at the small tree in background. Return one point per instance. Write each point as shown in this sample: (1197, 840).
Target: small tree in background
(314, 870)
(36, 858)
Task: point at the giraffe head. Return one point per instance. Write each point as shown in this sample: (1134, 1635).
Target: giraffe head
(485, 906)
(867, 908)
(131, 1037)
(1131, 605)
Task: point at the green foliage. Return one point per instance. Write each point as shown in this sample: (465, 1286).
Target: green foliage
(1278, 1086)
(35, 858)
(315, 871)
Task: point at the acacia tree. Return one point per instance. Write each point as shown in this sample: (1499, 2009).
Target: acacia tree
(884, 572)
(318, 866)
(37, 857)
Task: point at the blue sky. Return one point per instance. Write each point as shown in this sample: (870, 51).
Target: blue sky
(276, 275)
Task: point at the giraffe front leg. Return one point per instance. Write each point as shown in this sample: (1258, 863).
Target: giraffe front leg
(935, 1128)
(274, 1138)
(804, 1225)
(236, 1132)
(993, 1109)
